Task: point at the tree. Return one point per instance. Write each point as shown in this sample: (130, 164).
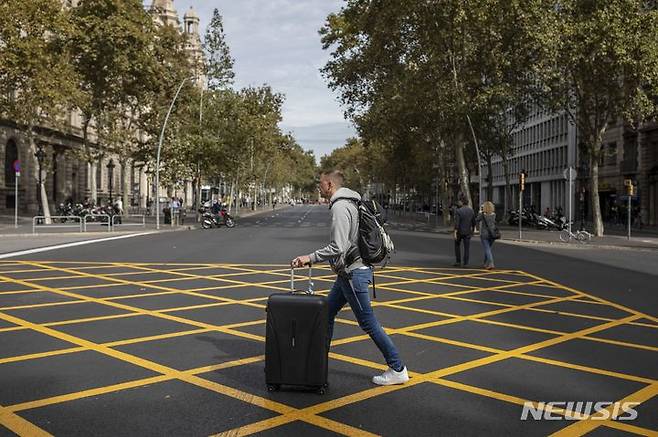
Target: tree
(599, 64)
(351, 159)
(219, 65)
(113, 46)
(414, 74)
(37, 83)
(169, 69)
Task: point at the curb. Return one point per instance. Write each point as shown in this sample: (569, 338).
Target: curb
(576, 245)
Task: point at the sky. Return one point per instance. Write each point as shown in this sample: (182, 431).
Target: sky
(276, 42)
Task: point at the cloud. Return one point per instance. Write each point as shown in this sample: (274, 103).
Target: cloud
(322, 138)
(277, 42)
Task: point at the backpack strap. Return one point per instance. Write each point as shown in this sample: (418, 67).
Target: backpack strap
(353, 252)
(351, 199)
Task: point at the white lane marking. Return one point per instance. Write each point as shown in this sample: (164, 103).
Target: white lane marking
(63, 246)
(305, 215)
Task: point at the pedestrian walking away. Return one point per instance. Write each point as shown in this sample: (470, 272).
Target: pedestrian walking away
(486, 222)
(353, 277)
(464, 228)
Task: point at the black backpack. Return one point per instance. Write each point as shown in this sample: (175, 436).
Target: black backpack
(374, 244)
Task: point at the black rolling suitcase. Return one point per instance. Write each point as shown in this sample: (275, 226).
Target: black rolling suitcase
(296, 347)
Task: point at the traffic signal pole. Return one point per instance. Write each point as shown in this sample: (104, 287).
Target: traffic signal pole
(630, 191)
(522, 177)
(520, 211)
(629, 217)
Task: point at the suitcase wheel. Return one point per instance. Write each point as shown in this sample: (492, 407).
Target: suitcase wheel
(322, 390)
(273, 387)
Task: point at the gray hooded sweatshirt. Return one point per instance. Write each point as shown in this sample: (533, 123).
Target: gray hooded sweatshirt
(344, 233)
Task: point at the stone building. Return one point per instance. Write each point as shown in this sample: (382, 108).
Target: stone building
(630, 154)
(66, 177)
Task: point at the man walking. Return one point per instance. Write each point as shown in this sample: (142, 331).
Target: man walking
(353, 277)
(464, 228)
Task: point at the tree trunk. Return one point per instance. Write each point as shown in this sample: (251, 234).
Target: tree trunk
(93, 188)
(197, 194)
(509, 202)
(127, 188)
(594, 193)
(463, 172)
(489, 178)
(444, 188)
(93, 183)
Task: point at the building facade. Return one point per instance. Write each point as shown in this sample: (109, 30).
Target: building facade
(548, 143)
(65, 176)
(630, 154)
(544, 146)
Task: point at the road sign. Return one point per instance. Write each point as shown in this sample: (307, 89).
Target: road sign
(17, 166)
(570, 174)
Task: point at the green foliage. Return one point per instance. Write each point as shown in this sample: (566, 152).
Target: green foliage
(37, 83)
(411, 73)
(109, 60)
(219, 68)
(112, 43)
(599, 63)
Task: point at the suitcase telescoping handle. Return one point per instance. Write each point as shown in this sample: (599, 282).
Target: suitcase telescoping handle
(310, 282)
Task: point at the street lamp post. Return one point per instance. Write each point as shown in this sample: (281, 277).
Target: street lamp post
(157, 161)
(477, 152)
(110, 174)
(40, 155)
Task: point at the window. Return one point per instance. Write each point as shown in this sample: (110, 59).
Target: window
(608, 154)
(11, 155)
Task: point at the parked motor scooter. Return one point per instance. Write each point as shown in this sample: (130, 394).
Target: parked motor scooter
(210, 220)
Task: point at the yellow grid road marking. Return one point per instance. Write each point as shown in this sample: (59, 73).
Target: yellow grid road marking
(628, 320)
(627, 427)
(369, 393)
(19, 425)
(589, 424)
(176, 374)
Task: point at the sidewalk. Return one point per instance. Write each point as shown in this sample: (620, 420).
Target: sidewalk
(645, 239)
(130, 225)
(20, 239)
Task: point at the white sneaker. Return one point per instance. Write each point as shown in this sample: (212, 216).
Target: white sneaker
(391, 377)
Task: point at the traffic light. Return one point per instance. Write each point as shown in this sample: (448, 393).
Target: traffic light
(630, 188)
(522, 177)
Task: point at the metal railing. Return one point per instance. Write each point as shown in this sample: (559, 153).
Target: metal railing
(57, 221)
(86, 222)
(122, 218)
(83, 223)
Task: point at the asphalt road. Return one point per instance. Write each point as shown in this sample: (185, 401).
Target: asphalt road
(624, 276)
(163, 335)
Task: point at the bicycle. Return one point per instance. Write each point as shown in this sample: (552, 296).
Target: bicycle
(582, 236)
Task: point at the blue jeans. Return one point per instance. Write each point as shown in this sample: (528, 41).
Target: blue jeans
(488, 255)
(342, 293)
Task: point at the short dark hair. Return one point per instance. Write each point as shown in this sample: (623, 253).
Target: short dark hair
(336, 176)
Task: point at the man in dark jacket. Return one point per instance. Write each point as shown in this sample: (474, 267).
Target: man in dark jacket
(464, 228)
